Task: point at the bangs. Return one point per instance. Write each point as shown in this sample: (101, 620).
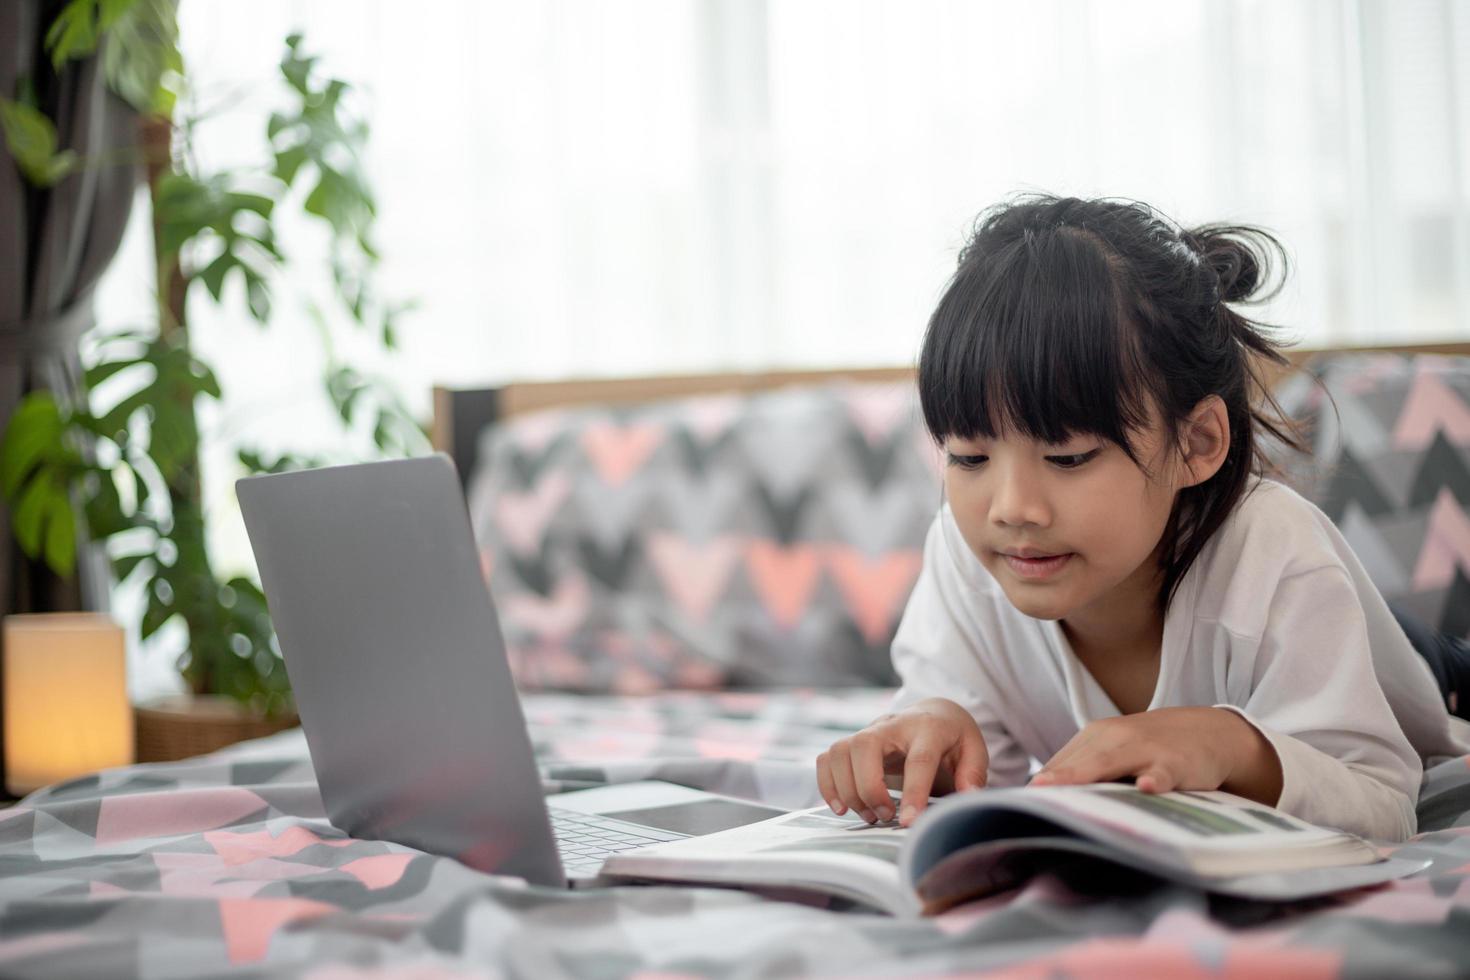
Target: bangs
(1030, 339)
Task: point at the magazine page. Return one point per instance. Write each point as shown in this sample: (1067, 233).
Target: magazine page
(813, 831)
(1191, 821)
(807, 849)
(988, 867)
(1210, 833)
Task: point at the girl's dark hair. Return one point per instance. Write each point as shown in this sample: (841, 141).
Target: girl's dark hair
(1071, 316)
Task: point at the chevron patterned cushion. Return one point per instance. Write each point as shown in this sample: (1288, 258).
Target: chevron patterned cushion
(724, 541)
(1391, 466)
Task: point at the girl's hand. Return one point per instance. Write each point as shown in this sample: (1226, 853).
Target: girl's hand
(1171, 748)
(933, 743)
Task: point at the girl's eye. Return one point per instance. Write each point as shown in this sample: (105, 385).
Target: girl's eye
(966, 462)
(1071, 462)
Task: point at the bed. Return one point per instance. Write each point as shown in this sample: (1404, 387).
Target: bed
(224, 865)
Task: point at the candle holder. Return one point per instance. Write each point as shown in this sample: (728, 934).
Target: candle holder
(66, 709)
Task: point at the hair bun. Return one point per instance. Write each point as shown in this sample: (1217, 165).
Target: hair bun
(1243, 259)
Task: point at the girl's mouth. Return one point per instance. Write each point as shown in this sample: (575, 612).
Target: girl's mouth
(1037, 568)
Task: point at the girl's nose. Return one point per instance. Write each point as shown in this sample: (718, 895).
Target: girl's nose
(1018, 500)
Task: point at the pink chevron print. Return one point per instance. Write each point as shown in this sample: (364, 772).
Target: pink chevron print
(693, 575)
(875, 589)
(1432, 406)
(522, 517)
(618, 452)
(876, 410)
(555, 618)
(1446, 544)
(784, 578)
(534, 432)
(709, 417)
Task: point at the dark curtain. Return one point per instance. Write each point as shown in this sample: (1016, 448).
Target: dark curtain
(54, 245)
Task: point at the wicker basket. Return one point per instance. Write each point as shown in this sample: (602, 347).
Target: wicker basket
(184, 725)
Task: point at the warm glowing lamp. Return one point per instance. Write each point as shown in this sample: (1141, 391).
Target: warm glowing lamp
(66, 703)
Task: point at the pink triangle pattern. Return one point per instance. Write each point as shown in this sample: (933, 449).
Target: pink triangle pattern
(554, 618)
(617, 452)
(250, 923)
(549, 665)
(1431, 406)
(875, 588)
(693, 575)
(164, 814)
(534, 432)
(522, 517)
(181, 875)
(236, 848)
(378, 870)
(876, 409)
(783, 577)
(709, 417)
(1446, 544)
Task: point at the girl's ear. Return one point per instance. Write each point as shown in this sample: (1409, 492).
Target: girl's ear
(1206, 440)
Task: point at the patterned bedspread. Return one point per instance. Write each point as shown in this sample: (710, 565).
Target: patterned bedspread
(225, 866)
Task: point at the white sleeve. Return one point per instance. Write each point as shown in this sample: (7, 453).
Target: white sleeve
(935, 655)
(1345, 762)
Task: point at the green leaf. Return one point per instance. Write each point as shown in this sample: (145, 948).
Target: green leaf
(104, 510)
(31, 139)
(205, 381)
(155, 615)
(295, 68)
(125, 565)
(141, 51)
(257, 295)
(35, 430)
(29, 516)
(74, 32)
(213, 275)
(61, 536)
(257, 203)
(171, 440)
(100, 372)
(117, 418)
(288, 162)
(325, 199)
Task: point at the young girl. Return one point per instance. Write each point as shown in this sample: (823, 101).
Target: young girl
(1111, 586)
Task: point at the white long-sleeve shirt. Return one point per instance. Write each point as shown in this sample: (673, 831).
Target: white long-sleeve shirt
(1276, 620)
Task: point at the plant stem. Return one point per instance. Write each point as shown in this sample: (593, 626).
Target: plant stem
(195, 596)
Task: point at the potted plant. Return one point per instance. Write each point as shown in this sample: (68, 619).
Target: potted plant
(124, 458)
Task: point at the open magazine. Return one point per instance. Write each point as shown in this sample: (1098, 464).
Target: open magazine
(981, 842)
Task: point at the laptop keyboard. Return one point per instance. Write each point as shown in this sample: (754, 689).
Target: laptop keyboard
(584, 839)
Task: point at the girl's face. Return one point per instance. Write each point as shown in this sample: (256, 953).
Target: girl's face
(1061, 527)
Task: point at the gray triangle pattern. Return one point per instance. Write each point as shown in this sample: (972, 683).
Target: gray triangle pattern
(1393, 472)
(55, 841)
(1375, 554)
(1363, 429)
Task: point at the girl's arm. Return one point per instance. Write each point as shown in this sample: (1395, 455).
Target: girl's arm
(938, 653)
(1316, 736)
(1315, 696)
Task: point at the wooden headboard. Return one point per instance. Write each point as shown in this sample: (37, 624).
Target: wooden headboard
(460, 414)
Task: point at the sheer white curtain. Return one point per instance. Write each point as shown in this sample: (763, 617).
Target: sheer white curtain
(576, 187)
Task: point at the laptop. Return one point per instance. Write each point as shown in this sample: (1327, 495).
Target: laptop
(399, 670)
